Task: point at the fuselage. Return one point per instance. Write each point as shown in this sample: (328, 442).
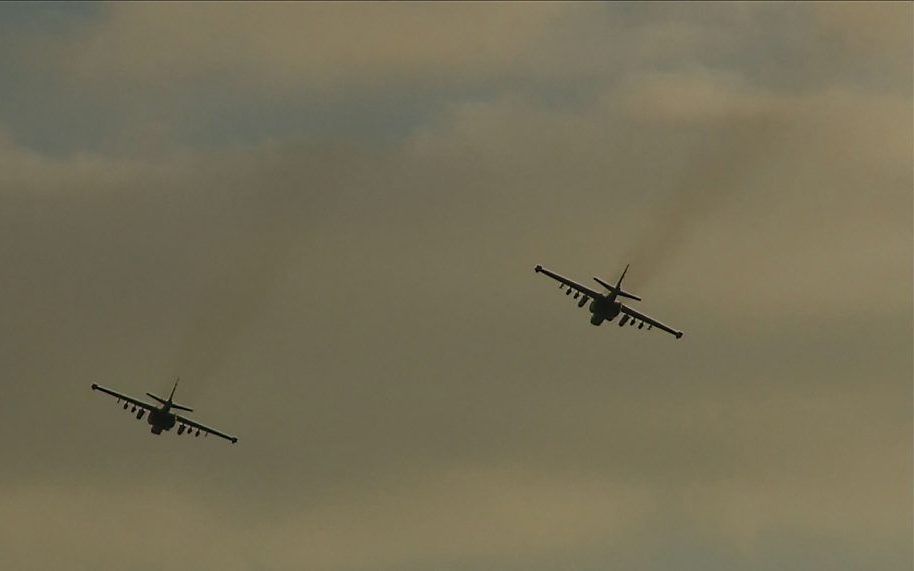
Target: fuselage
(604, 309)
(161, 419)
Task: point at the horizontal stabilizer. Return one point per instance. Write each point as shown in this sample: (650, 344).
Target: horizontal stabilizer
(181, 407)
(160, 399)
(620, 292)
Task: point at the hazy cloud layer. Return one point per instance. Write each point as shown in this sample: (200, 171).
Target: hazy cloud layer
(324, 218)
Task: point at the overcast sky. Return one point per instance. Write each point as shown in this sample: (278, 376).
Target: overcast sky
(325, 218)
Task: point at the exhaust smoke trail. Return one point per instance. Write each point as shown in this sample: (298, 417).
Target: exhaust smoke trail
(721, 166)
(264, 229)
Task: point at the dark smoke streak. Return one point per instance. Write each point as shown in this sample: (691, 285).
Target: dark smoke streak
(723, 162)
(253, 253)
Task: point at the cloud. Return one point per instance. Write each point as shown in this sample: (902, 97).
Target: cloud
(500, 514)
(880, 29)
(699, 97)
(359, 306)
(312, 46)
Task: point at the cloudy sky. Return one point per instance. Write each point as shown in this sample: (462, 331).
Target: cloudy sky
(325, 218)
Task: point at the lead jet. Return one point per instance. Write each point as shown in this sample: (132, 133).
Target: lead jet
(160, 417)
(605, 306)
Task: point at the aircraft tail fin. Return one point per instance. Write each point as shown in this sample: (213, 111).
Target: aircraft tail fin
(170, 402)
(172, 396)
(617, 289)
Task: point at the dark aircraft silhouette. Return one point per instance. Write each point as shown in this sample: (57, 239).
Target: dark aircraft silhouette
(160, 417)
(604, 307)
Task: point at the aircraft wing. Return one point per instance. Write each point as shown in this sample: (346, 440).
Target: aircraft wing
(570, 283)
(118, 395)
(199, 426)
(632, 313)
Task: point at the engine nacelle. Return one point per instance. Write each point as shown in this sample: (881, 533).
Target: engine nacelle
(596, 319)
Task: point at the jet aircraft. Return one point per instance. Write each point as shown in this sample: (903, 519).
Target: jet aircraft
(605, 306)
(160, 417)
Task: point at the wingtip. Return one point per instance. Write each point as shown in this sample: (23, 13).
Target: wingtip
(94, 387)
(538, 268)
(679, 335)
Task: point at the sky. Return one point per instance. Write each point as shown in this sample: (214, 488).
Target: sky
(324, 218)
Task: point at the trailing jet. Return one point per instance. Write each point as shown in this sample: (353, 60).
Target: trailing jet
(605, 306)
(160, 417)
